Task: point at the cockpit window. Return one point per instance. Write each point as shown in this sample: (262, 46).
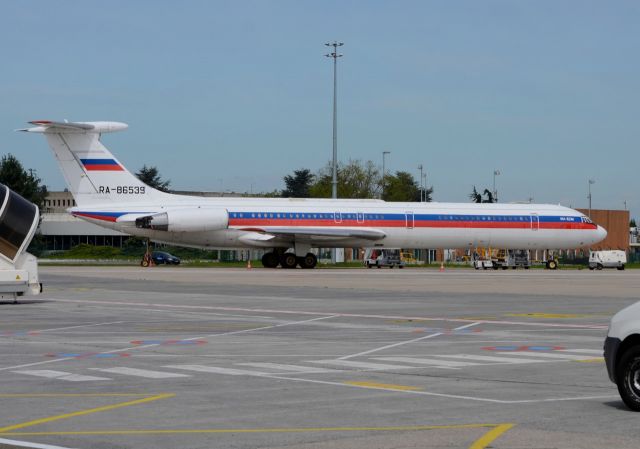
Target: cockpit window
(586, 219)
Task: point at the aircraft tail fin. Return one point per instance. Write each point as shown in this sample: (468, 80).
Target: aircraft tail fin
(93, 175)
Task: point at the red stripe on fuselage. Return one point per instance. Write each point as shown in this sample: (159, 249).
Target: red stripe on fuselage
(416, 224)
(95, 216)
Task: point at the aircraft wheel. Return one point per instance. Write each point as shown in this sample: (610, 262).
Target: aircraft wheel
(553, 265)
(621, 267)
(599, 267)
(308, 261)
(270, 260)
(289, 260)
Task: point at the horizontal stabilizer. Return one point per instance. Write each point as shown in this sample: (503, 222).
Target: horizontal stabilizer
(51, 127)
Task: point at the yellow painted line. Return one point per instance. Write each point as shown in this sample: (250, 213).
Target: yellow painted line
(269, 430)
(384, 386)
(547, 315)
(491, 436)
(593, 360)
(104, 408)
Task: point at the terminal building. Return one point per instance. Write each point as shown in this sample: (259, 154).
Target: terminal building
(61, 231)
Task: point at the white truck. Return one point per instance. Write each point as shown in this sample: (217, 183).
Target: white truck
(383, 258)
(622, 354)
(607, 259)
(18, 269)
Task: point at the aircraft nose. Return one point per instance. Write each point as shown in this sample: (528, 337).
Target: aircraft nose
(602, 233)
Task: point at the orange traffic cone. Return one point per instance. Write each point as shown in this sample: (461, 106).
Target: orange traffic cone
(441, 266)
(249, 264)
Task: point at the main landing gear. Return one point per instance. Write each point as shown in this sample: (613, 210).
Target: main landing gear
(288, 260)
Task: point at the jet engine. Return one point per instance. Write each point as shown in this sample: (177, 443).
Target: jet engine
(186, 220)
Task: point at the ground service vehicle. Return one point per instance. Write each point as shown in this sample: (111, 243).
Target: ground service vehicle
(384, 258)
(622, 354)
(607, 259)
(18, 269)
(109, 195)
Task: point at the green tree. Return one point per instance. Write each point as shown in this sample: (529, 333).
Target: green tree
(299, 184)
(151, 177)
(403, 187)
(356, 179)
(23, 182)
(632, 223)
(478, 198)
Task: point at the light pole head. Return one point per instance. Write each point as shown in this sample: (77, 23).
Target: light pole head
(496, 172)
(592, 181)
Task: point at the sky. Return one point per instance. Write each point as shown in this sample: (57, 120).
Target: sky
(234, 95)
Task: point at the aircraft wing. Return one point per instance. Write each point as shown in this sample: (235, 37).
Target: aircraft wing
(312, 233)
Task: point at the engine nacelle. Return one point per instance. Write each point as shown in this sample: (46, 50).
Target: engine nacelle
(198, 219)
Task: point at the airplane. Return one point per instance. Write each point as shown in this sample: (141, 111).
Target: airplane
(109, 195)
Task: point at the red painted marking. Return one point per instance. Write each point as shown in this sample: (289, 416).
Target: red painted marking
(103, 167)
(96, 216)
(520, 348)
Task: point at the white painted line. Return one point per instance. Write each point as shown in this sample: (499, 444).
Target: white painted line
(394, 345)
(488, 358)
(29, 444)
(140, 372)
(547, 355)
(445, 395)
(345, 315)
(290, 368)
(76, 327)
(115, 351)
(216, 370)
(61, 375)
(584, 351)
(365, 365)
(424, 361)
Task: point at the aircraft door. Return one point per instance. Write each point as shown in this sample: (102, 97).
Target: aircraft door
(360, 217)
(535, 222)
(337, 217)
(409, 219)
(18, 222)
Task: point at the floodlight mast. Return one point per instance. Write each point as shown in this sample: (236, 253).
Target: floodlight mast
(334, 168)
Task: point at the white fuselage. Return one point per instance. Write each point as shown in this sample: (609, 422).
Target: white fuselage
(404, 225)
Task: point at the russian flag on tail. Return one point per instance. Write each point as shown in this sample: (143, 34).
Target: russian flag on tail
(101, 165)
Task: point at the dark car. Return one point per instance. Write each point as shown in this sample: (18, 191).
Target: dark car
(160, 257)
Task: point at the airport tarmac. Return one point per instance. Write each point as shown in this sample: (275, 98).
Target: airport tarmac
(125, 357)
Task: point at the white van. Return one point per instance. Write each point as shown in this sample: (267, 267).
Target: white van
(622, 354)
(607, 259)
